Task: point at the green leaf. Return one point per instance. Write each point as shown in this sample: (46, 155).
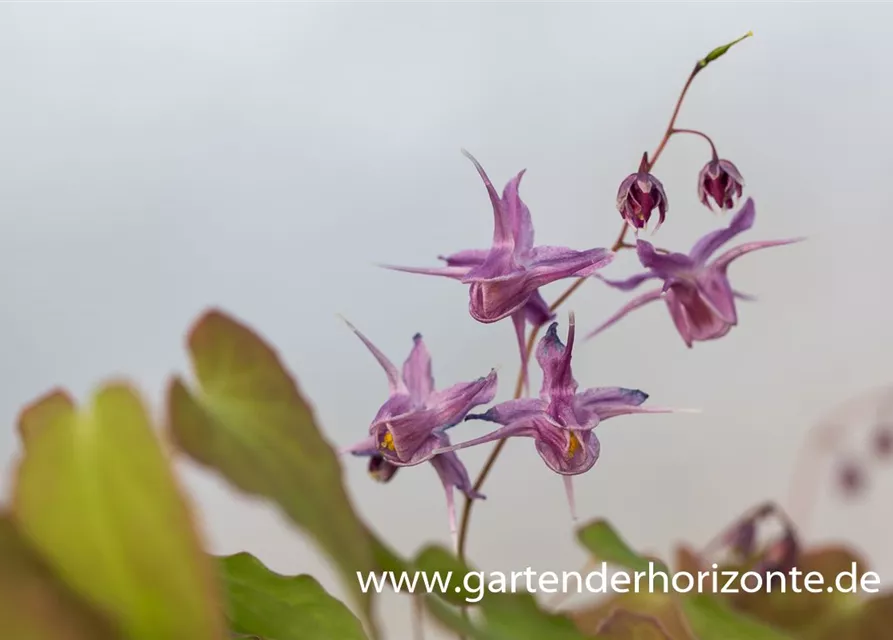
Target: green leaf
(96, 497)
(721, 51)
(506, 616)
(249, 421)
(34, 604)
(711, 619)
(606, 545)
(271, 605)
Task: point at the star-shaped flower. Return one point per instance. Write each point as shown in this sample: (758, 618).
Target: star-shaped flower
(561, 420)
(410, 426)
(504, 280)
(697, 290)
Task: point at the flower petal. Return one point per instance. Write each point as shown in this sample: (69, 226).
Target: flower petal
(519, 214)
(695, 320)
(496, 299)
(723, 261)
(454, 474)
(380, 469)
(630, 283)
(548, 264)
(593, 398)
(555, 360)
(395, 383)
(466, 258)
(519, 321)
(537, 310)
(448, 407)
(366, 447)
(522, 429)
(417, 372)
(665, 265)
(511, 411)
(456, 272)
(714, 287)
(632, 305)
(562, 456)
(741, 222)
(502, 224)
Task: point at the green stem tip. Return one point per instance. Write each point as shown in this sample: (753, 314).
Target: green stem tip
(720, 51)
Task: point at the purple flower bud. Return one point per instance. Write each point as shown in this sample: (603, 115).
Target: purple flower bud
(851, 478)
(380, 469)
(720, 180)
(883, 441)
(639, 194)
(781, 555)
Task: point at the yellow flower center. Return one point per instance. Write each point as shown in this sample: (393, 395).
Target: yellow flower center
(388, 442)
(572, 445)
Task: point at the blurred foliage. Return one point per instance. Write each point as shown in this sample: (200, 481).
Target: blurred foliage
(99, 541)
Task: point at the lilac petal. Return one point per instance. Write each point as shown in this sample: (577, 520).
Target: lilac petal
(494, 300)
(592, 398)
(519, 214)
(396, 405)
(740, 295)
(448, 407)
(366, 447)
(511, 411)
(453, 473)
(555, 360)
(537, 310)
(466, 258)
(548, 264)
(456, 273)
(561, 455)
(569, 491)
(417, 372)
(694, 318)
(715, 290)
(521, 429)
(519, 320)
(412, 440)
(632, 305)
(665, 265)
(630, 283)
(395, 383)
(723, 261)
(741, 222)
(605, 411)
(502, 224)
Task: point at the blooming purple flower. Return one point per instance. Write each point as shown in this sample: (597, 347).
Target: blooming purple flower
(697, 292)
(639, 194)
(410, 426)
(720, 180)
(504, 279)
(561, 420)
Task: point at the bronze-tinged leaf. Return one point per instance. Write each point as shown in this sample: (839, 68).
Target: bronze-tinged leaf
(687, 560)
(806, 612)
(712, 619)
(34, 604)
(662, 607)
(625, 625)
(872, 619)
(248, 420)
(96, 497)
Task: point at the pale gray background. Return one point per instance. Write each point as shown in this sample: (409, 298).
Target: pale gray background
(158, 159)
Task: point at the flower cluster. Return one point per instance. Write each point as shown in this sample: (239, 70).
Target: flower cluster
(504, 282)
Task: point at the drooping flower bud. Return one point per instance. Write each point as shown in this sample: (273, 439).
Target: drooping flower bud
(882, 441)
(380, 469)
(850, 478)
(639, 194)
(781, 555)
(720, 180)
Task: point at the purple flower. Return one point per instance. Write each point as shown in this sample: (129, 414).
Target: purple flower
(697, 292)
(561, 420)
(720, 180)
(410, 426)
(504, 279)
(639, 194)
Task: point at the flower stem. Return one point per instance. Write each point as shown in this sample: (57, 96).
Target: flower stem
(695, 132)
(620, 243)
